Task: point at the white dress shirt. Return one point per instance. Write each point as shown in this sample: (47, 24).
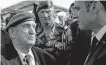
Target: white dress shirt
(100, 34)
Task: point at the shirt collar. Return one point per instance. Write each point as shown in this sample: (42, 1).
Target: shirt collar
(100, 34)
(22, 55)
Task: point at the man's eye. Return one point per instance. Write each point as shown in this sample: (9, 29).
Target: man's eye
(34, 26)
(42, 12)
(26, 26)
(48, 11)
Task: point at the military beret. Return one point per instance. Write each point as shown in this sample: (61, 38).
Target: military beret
(19, 18)
(44, 5)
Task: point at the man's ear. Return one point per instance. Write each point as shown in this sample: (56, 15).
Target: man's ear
(95, 7)
(12, 33)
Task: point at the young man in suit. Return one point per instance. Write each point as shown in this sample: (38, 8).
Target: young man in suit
(20, 51)
(92, 16)
(81, 40)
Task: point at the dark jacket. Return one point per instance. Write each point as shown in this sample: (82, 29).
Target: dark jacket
(12, 58)
(98, 56)
(80, 47)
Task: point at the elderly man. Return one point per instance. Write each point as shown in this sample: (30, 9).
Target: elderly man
(54, 37)
(92, 16)
(20, 51)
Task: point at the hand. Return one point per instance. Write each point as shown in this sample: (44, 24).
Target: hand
(51, 43)
(60, 46)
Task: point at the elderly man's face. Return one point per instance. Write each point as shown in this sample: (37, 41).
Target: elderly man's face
(25, 33)
(46, 16)
(86, 18)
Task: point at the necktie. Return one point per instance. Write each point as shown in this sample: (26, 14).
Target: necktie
(94, 44)
(94, 40)
(27, 60)
(92, 50)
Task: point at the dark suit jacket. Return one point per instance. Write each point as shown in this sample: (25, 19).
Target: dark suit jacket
(12, 58)
(98, 57)
(80, 47)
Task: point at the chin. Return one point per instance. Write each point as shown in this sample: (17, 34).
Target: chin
(31, 42)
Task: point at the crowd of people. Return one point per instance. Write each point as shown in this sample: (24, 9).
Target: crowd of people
(46, 38)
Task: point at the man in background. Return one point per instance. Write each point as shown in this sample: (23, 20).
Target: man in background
(52, 34)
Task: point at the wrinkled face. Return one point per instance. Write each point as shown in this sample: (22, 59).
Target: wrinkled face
(25, 33)
(46, 16)
(86, 18)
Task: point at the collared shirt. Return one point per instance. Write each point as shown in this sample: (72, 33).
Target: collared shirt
(22, 56)
(92, 36)
(100, 34)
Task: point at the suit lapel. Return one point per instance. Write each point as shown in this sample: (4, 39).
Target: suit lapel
(96, 54)
(37, 61)
(100, 47)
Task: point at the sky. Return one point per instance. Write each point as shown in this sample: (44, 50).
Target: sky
(7, 3)
(63, 3)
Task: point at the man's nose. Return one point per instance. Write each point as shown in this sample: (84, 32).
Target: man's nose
(45, 15)
(32, 30)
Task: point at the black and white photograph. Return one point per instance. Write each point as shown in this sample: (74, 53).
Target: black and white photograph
(53, 32)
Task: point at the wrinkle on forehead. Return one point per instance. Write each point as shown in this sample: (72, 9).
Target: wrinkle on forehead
(51, 9)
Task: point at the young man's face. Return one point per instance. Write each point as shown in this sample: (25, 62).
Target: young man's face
(46, 16)
(25, 33)
(85, 18)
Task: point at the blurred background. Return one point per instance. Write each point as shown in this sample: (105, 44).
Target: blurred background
(12, 6)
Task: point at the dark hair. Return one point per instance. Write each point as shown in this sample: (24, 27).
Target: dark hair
(103, 3)
(71, 7)
(88, 3)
